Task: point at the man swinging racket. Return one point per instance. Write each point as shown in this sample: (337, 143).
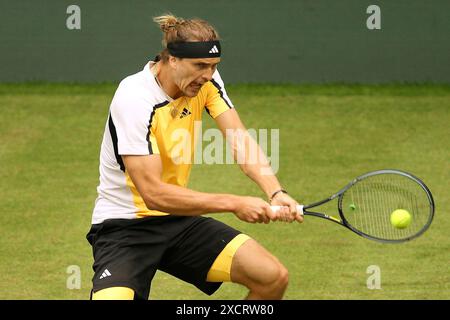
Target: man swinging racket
(145, 218)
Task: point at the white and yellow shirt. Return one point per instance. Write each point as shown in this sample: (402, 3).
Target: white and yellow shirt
(140, 123)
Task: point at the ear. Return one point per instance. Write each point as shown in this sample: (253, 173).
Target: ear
(173, 62)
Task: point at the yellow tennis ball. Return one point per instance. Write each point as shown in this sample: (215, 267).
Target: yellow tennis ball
(400, 218)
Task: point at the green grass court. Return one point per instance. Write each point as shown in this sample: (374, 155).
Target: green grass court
(50, 138)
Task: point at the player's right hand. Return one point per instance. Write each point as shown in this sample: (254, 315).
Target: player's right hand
(254, 210)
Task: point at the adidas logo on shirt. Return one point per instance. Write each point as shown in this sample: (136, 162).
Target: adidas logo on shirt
(214, 50)
(105, 274)
(185, 113)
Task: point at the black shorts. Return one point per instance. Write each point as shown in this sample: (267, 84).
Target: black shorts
(127, 252)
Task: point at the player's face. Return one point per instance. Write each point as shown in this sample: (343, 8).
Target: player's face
(191, 74)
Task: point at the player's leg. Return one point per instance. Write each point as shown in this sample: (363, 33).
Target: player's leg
(114, 293)
(126, 256)
(246, 262)
(195, 247)
(261, 272)
(208, 252)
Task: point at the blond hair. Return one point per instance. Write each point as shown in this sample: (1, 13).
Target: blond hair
(179, 29)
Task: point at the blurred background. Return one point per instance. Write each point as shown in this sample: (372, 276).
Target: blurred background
(264, 41)
(351, 85)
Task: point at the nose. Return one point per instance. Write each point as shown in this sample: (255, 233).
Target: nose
(207, 75)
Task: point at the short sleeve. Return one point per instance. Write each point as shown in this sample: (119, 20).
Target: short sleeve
(217, 100)
(131, 119)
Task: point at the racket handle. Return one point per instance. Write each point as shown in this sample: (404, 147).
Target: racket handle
(299, 208)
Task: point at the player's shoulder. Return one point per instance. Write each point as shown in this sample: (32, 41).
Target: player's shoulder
(136, 91)
(135, 83)
(217, 79)
(216, 88)
(216, 83)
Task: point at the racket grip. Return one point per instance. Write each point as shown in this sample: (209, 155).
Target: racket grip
(299, 208)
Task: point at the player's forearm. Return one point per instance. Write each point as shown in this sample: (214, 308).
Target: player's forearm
(263, 176)
(256, 165)
(182, 201)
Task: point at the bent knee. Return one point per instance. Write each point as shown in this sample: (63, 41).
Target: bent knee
(276, 283)
(280, 276)
(284, 275)
(275, 275)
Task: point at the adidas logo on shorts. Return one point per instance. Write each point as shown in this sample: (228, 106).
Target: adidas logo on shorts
(105, 274)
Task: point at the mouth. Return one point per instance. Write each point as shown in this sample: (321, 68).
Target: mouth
(196, 86)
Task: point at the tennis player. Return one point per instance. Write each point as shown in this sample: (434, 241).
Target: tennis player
(145, 218)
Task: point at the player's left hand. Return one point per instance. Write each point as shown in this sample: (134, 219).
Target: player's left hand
(289, 213)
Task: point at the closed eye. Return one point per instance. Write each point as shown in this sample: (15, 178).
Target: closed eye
(201, 65)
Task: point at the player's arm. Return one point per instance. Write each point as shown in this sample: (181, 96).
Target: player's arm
(252, 160)
(145, 171)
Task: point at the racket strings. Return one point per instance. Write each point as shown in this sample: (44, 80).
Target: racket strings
(367, 206)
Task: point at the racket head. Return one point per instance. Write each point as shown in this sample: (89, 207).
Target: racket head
(367, 203)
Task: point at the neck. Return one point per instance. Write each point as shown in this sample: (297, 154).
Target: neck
(162, 73)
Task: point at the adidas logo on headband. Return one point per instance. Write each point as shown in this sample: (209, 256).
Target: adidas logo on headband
(214, 50)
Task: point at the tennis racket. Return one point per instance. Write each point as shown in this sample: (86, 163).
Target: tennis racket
(366, 205)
